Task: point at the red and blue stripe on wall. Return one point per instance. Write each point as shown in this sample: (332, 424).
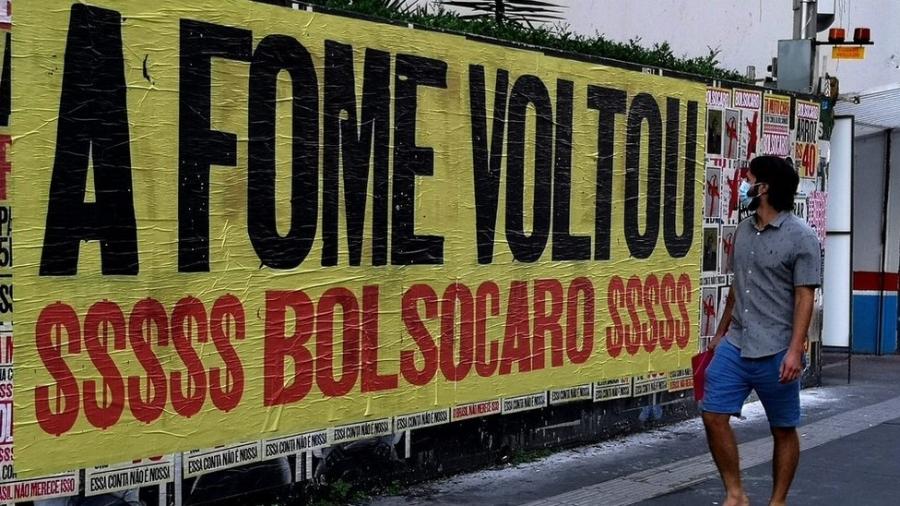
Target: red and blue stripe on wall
(871, 290)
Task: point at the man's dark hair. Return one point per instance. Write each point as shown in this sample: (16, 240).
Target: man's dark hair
(781, 178)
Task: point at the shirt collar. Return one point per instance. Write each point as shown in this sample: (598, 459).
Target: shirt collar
(776, 222)
(780, 219)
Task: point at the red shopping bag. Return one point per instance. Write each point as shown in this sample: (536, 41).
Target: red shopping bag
(699, 362)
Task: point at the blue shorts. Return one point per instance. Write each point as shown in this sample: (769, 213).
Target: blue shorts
(730, 377)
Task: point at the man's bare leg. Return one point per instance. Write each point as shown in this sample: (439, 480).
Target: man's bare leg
(725, 453)
(785, 457)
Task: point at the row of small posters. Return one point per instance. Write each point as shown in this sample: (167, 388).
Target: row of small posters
(7, 475)
(161, 470)
(743, 124)
(11, 489)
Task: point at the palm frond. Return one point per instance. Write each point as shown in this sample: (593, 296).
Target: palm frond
(517, 11)
(401, 6)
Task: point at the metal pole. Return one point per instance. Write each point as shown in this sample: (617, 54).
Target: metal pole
(179, 478)
(886, 181)
(852, 215)
(805, 13)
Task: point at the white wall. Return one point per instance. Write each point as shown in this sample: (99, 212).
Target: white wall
(870, 210)
(893, 209)
(746, 31)
(868, 193)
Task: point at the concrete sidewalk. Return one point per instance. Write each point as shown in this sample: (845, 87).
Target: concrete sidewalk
(850, 440)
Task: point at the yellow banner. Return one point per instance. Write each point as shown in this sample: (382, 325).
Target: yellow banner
(848, 52)
(237, 221)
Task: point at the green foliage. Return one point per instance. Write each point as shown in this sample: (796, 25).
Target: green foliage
(393, 488)
(558, 37)
(526, 456)
(339, 493)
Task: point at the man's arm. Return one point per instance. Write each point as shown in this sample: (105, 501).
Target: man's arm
(792, 365)
(725, 322)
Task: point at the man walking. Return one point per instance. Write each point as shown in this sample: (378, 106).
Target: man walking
(760, 341)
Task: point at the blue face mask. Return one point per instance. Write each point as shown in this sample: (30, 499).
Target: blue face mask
(744, 193)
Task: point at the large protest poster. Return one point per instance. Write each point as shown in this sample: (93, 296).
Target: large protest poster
(240, 223)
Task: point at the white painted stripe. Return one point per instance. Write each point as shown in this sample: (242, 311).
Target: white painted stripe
(667, 478)
(887, 293)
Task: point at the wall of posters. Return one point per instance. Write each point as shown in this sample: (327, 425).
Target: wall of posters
(754, 123)
(190, 298)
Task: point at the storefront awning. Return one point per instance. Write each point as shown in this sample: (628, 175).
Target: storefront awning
(875, 110)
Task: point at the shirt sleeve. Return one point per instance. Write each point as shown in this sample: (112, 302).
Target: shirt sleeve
(808, 262)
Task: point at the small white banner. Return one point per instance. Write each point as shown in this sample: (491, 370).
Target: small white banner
(361, 430)
(682, 379)
(199, 462)
(612, 389)
(475, 410)
(420, 420)
(713, 279)
(60, 485)
(571, 394)
(524, 403)
(651, 383)
(284, 446)
(143, 473)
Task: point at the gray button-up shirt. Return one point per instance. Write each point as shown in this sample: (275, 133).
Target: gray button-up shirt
(768, 265)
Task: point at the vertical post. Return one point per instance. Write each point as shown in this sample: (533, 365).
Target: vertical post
(886, 181)
(179, 478)
(837, 327)
(805, 13)
(300, 467)
(805, 17)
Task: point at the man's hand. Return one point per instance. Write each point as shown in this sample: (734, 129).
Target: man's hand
(714, 342)
(724, 323)
(791, 366)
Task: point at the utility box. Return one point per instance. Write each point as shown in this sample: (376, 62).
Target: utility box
(796, 59)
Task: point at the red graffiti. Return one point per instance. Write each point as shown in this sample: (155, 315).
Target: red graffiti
(732, 183)
(709, 313)
(732, 133)
(751, 143)
(728, 247)
(712, 191)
